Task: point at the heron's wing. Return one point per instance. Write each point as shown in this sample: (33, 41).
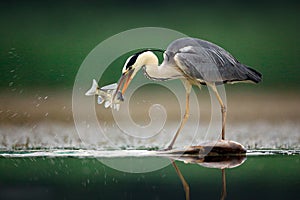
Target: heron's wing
(210, 64)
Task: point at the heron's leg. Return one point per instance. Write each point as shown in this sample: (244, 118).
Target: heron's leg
(224, 193)
(223, 109)
(186, 186)
(188, 88)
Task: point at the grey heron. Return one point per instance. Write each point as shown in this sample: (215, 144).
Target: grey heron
(194, 62)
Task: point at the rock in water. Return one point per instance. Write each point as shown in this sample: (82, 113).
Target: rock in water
(214, 148)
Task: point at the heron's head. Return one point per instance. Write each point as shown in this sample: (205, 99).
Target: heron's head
(133, 64)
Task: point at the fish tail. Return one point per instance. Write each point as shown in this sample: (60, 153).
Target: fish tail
(93, 90)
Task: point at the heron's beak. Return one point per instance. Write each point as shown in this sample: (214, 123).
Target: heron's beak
(127, 77)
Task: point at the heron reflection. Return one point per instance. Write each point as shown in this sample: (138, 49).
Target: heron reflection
(218, 162)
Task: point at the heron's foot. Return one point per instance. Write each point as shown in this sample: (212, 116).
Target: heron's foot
(222, 135)
(168, 148)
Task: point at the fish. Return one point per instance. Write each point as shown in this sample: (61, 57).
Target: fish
(105, 95)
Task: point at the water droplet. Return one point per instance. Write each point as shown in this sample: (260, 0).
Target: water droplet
(10, 84)
(46, 114)
(46, 97)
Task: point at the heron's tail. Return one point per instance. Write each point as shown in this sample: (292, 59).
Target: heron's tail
(254, 75)
(93, 90)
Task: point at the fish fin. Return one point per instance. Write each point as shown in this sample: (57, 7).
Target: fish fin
(117, 107)
(110, 87)
(100, 100)
(107, 104)
(93, 90)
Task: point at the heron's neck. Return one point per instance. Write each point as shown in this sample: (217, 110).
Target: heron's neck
(154, 71)
(150, 61)
(147, 59)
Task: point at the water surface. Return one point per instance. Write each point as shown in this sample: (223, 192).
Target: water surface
(76, 174)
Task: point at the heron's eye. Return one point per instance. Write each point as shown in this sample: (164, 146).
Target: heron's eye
(129, 62)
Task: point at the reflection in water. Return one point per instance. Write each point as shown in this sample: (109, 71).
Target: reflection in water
(220, 162)
(71, 174)
(186, 186)
(224, 192)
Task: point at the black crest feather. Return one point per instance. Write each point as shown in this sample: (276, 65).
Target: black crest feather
(136, 55)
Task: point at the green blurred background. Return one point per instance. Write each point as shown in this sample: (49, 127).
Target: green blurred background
(43, 43)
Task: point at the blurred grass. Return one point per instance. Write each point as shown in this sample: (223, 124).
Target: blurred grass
(42, 44)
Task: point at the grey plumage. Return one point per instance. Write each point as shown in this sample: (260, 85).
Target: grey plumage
(195, 62)
(207, 62)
